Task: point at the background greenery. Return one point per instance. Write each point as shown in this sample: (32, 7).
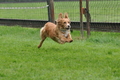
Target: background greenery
(96, 58)
(101, 10)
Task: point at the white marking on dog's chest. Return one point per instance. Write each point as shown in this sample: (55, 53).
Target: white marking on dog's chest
(65, 32)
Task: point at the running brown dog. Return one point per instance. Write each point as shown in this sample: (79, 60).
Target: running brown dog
(59, 32)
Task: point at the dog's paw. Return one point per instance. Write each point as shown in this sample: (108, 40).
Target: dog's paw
(71, 41)
(39, 46)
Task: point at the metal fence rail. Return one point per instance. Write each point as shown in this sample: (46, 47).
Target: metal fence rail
(95, 26)
(24, 7)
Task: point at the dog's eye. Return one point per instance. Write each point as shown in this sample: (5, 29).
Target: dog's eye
(64, 22)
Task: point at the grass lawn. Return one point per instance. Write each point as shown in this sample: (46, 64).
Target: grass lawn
(40, 14)
(96, 58)
(101, 11)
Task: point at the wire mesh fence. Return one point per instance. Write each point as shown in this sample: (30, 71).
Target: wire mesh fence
(24, 10)
(71, 7)
(105, 10)
(100, 10)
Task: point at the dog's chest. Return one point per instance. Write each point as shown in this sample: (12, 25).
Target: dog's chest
(65, 33)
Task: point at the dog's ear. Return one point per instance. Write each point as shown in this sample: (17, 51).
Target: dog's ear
(66, 15)
(60, 16)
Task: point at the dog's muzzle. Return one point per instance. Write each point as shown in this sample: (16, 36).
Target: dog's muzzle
(68, 27)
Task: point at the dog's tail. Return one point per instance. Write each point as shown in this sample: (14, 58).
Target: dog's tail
(41, 31)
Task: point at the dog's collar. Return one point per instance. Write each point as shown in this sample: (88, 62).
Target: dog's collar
(64, 30)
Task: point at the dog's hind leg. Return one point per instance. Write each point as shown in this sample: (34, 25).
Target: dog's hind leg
(43, 37)
(41, 42)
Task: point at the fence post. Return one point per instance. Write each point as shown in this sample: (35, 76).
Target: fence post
(88, 18)
(81, 18)
(50, 4)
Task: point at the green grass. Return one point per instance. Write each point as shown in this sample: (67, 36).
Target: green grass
(96, 58)
(101, 11)
(40, 14)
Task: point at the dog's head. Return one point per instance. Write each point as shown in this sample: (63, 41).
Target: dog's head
(63, 22)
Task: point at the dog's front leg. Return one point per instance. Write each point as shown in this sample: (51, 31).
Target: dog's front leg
(69, 38)
(59, 40)
(63, 39)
